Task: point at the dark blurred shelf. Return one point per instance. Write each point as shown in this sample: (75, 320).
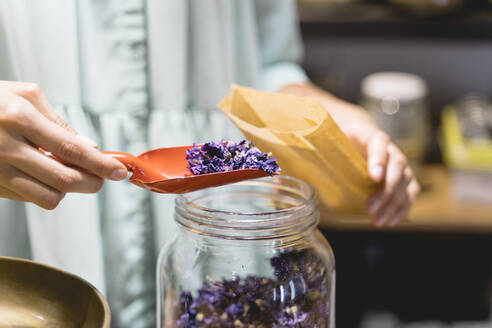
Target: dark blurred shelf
(384, 21)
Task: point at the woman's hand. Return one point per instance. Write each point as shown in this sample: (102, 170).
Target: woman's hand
(27, 121)
(398, 187)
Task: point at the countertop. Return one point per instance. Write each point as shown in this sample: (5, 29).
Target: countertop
(435, 210)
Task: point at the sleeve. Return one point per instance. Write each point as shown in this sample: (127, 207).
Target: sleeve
(280, 43)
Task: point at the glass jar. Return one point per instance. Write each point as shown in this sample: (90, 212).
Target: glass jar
(247, 255)
(397, 102)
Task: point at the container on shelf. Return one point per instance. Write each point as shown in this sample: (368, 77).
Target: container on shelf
(467, 147)
(429, 7)
(397, 102)
(247, 255)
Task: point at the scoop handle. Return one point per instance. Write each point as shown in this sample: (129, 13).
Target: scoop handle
(131, 162)
(142, 171)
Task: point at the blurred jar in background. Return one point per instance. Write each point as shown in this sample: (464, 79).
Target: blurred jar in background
(397, 102)
(429, 7)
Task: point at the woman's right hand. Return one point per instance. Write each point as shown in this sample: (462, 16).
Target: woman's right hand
(28, 121)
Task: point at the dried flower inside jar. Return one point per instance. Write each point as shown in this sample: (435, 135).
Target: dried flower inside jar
(298, 296)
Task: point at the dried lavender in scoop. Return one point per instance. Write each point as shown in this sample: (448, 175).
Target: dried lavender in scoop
(228, 156)
(298, 296)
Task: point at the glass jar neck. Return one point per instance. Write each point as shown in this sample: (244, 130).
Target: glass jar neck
(277, 208)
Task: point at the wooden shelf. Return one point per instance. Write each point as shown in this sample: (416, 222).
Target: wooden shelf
(436, 210)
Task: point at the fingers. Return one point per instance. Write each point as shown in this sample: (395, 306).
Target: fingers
(411, 194)
(393, 175)
(28, 121)
(377, 155)
(30, 189)
(391, 203)
(387, 212)
(67, 147)
(53, 173)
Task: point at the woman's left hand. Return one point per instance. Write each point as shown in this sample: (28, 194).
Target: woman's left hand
(387, 166)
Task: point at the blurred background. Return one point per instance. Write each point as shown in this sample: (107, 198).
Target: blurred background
(423, 69)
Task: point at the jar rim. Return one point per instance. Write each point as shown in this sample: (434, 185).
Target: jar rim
(268, 224)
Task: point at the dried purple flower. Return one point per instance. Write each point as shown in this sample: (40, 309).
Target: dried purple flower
(299, 297)
(227, 156)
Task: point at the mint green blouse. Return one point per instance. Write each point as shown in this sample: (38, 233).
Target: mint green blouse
(134, 75)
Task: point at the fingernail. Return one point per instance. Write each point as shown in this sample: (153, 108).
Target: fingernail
(376, 172)
(119, 174)
(87, 140)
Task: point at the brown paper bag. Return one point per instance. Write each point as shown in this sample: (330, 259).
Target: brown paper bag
(306, 142)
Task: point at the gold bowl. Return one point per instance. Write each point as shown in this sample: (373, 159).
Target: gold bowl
(36, 295)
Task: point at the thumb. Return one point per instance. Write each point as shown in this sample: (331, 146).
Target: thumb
(33, 93)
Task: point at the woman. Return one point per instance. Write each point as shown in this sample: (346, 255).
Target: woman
(134, 75)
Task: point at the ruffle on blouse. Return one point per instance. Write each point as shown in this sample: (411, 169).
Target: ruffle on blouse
(121, 113)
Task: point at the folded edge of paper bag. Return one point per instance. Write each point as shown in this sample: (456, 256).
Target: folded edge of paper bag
(298, 161)
(315, 150)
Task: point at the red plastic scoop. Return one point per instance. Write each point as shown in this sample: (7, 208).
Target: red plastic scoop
(165, 170)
